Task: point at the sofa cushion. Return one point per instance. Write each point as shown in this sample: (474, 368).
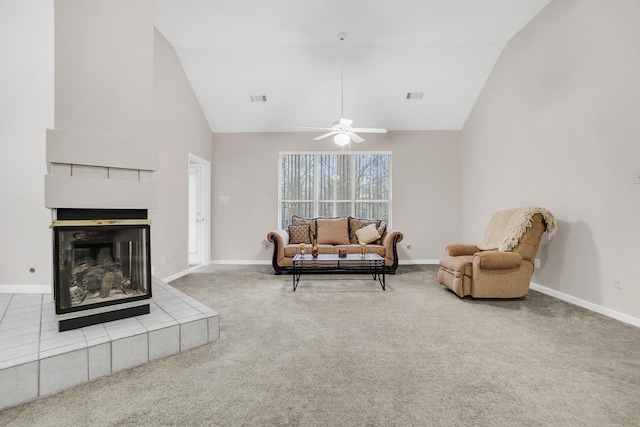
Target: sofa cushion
(457, 265)
(376, 249)
(299, 233)
(298, 220)
(355, 249)
(291, 250)
(333, 231)
(327, 249)
(368, 234)
(356, 224)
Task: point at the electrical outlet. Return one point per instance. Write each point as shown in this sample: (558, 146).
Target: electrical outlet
(537, 263)
(409, 246)
(617, 282)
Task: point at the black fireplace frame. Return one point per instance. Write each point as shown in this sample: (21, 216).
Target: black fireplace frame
(104, 311)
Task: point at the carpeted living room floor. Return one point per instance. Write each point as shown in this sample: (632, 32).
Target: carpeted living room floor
(342, 352)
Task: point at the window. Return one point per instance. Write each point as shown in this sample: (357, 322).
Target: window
(335, 184)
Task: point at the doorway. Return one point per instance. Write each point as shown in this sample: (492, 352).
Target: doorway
(199, 210)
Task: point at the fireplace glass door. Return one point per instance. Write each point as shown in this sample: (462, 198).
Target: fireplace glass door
(100, 265)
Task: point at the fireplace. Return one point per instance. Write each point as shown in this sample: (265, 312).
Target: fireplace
(102, 265)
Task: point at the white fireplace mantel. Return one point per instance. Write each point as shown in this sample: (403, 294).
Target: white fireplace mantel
(93, 171)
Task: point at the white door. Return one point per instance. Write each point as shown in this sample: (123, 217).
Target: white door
(196, 220)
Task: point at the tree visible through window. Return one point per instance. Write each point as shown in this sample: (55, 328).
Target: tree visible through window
(330, 185)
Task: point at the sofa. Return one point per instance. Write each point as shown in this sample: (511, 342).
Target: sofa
(334, 234)
(501, 264)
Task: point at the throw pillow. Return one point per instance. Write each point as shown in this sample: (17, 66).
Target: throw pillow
(356, 224)
(299, 233)
(368, 234)
(298, 220)
(382, 231)
(333, 231)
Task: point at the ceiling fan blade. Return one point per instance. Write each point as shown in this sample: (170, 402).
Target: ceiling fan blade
(333, 132)
(315, 128)
(369, 130)
(354, 137)
(345, 122)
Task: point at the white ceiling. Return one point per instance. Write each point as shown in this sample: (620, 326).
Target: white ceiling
(288, 50)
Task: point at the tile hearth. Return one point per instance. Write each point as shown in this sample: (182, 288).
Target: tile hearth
(36, 360)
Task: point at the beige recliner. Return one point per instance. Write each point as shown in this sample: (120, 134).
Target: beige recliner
(501, 265)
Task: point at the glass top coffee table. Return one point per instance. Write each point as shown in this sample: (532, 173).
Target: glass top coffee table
(333, 263)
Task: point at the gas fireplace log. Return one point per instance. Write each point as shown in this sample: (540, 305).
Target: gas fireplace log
(107, 282)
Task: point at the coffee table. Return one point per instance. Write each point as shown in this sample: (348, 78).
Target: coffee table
(332, 263)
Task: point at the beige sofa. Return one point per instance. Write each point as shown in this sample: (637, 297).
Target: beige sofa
(333, 234)
(502, 263)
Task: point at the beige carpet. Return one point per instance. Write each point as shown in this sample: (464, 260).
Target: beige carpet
(341, 352)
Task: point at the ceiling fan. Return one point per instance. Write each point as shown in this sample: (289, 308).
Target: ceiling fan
(342, 131)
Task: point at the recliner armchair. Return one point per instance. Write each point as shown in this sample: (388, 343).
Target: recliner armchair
(501, 265)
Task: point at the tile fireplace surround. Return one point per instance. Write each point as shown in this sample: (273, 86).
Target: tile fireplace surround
(36, 360)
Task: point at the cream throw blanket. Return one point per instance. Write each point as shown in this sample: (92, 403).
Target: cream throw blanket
(506, 227)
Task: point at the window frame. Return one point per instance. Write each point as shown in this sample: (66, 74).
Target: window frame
(316, 190)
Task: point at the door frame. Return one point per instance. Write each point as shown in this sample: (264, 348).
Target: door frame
(205, 197)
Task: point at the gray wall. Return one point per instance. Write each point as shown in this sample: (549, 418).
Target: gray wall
(104, 68)
(117, 76)
(114, 77)
(557, 126)
(179, 128)
(426, 189)
(26, 111)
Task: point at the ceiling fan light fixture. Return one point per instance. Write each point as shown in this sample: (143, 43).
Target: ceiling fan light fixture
(341, 130)
(341, 139)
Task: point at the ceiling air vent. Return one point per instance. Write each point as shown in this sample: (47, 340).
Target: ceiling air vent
(415, 95)
(258, 98)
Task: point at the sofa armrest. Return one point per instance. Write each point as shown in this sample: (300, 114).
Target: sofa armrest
(494, 260)
(280, 239)
(458, 249)
(390, 241)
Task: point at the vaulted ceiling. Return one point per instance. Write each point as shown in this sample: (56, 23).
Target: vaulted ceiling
(288, 51)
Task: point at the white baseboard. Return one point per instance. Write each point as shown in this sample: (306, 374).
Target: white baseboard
(586, 304)
(25, 289)
(239, 262)
(175, 276)
(418, 261)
